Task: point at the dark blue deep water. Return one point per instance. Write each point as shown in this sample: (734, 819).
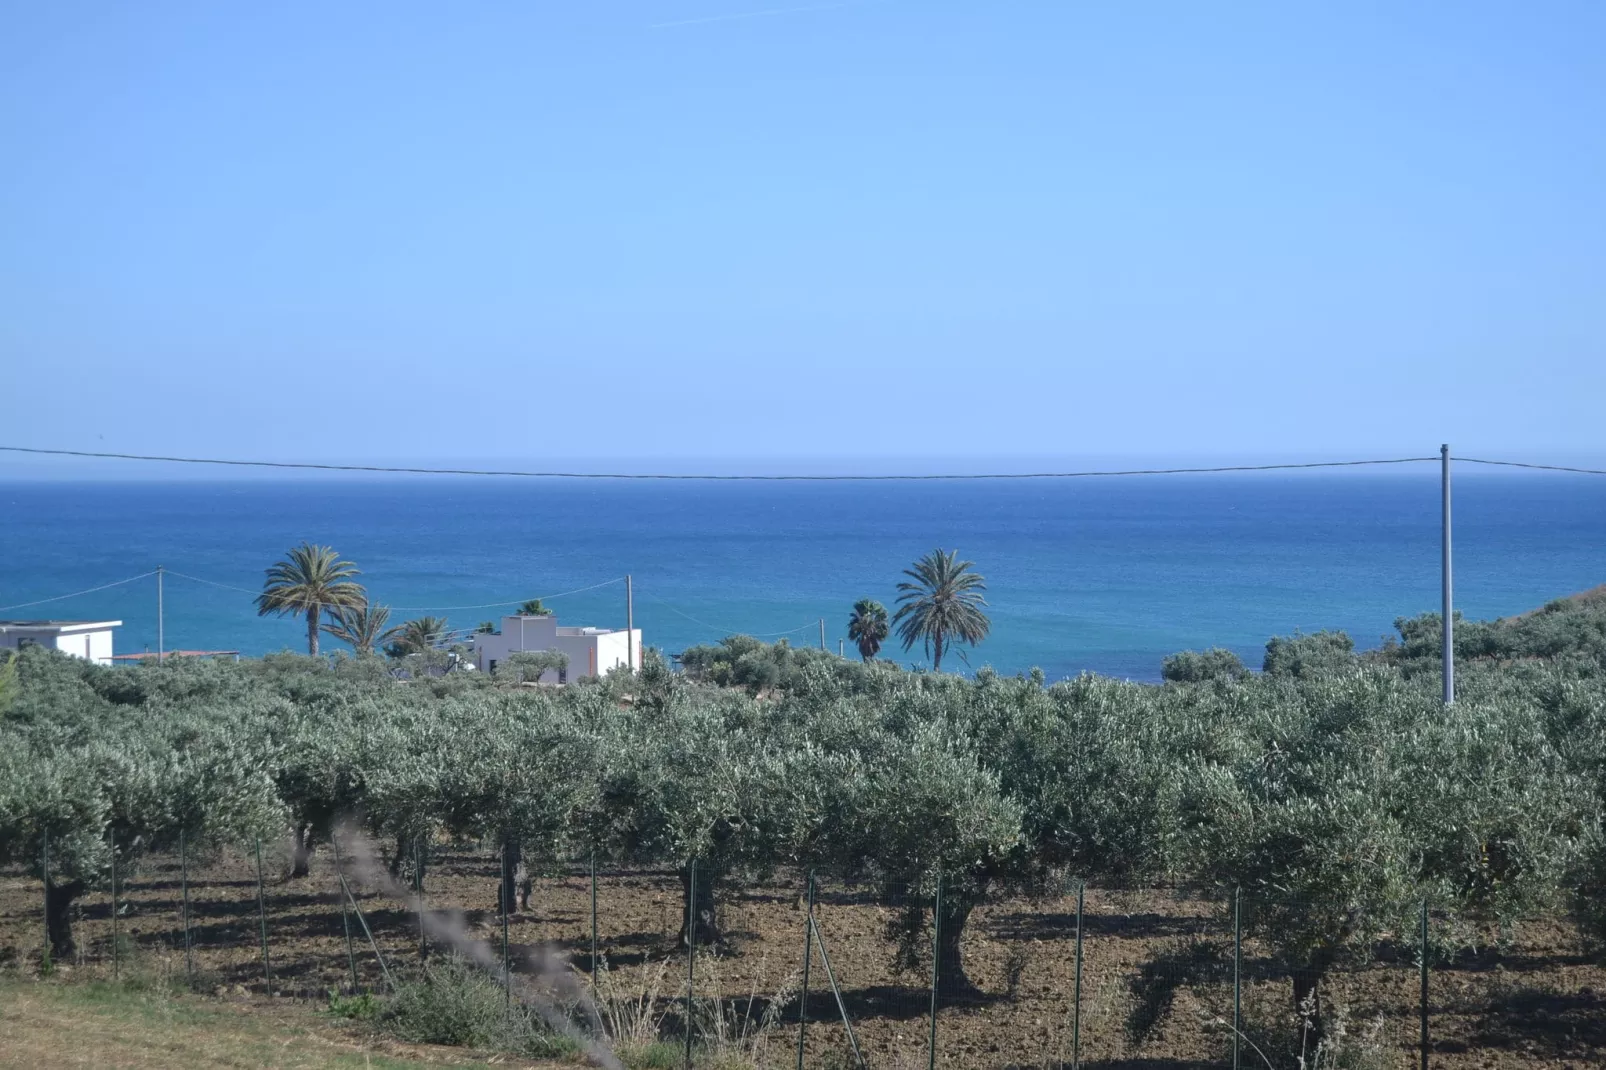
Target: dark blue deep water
(1108, 575)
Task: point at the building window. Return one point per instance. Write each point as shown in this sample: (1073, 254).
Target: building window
(493, 665)
(563, 675)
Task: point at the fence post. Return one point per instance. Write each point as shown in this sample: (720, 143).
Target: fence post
(808, 953)
(1424, 1002)
(418, 893)
(593, 924)
(184, 911)
(369, 933)
(507, 908)
(841, 1005)
(117, 957)
(262, 921)
(44, 843)
(1237, 971)
(1076, 1021)
(345, 916)
(691, 948)
(936, 960)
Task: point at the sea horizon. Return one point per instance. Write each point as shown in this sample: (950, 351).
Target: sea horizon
(1106, 575)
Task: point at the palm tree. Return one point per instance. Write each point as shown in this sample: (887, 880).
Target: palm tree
(417, 636)
(310, 578)
(534, 608)
(364, 626)
(942, 606)
(868, 627)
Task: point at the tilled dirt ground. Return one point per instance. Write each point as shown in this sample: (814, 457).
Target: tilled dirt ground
(1533, 1000)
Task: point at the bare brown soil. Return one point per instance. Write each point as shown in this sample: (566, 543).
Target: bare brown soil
(1533, 1000)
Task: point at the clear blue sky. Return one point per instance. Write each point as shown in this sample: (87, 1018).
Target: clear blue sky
(894, 229)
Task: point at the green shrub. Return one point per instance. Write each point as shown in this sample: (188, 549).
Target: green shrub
(363, 1008)
(1193, 667)
(452, 1004)
(456, 1004)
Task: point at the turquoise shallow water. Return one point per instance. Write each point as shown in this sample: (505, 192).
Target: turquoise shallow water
(1108, 575)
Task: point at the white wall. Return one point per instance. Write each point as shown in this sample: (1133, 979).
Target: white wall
(592, 651)
(94, 644)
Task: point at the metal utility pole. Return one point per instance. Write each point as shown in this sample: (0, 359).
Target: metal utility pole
(159, 621)
(822, 633)
(1449, 609)
(630, 626)
(841, 650)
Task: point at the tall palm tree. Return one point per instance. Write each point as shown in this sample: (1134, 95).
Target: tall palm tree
(309, 579)
(534, 608)
(364, 626)
(868, 627)
(417, 636)
(942, 605)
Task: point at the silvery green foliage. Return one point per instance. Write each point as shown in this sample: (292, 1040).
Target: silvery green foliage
(1334, 790)
(530, 665)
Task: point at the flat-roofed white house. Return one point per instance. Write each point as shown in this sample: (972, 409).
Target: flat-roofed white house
(90, 639)
(592, 651)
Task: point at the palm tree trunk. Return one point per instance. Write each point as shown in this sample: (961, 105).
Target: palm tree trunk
(312, 630)
(936, 652)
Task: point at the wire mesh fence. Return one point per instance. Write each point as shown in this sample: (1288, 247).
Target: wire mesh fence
(773, 970)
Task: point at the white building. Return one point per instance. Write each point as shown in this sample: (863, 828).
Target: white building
(592, 651)
(90, 639)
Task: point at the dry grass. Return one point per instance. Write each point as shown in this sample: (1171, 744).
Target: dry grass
(48, 1025)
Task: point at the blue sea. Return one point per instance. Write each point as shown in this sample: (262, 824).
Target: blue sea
(1107, 575)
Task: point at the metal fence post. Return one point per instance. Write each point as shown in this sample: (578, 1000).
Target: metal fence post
(184, 912)
(44, 842)
(1076, 1020)
(808, 953)
(691, 948)
(1237, 971)
(117, 957)
(1424, 1003)
(418, 892)
(936, 961)
(593, 924)
(345, 916)
(369, 933)
(262, 921)
(507, 908)
(836, 991)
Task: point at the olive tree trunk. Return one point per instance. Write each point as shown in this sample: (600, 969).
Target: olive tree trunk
(301, 852)
(702, 913)
(951, 977)
(59, 898)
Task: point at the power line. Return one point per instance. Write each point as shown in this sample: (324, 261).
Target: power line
(1540, 467)
(411, 609)
(772, 478)
(75, 594)
(728, 631)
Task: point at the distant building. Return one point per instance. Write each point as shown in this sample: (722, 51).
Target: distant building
(90, 639)
(592, 651)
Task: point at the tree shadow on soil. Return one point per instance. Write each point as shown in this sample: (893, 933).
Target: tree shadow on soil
(1062, 926)
(1534, 1020)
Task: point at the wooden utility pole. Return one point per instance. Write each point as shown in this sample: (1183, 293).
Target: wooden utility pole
(822, 633)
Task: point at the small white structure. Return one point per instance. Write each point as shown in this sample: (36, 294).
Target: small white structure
(90, 639)
(592, 651)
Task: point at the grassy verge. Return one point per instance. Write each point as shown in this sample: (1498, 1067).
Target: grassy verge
(51, 1025)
